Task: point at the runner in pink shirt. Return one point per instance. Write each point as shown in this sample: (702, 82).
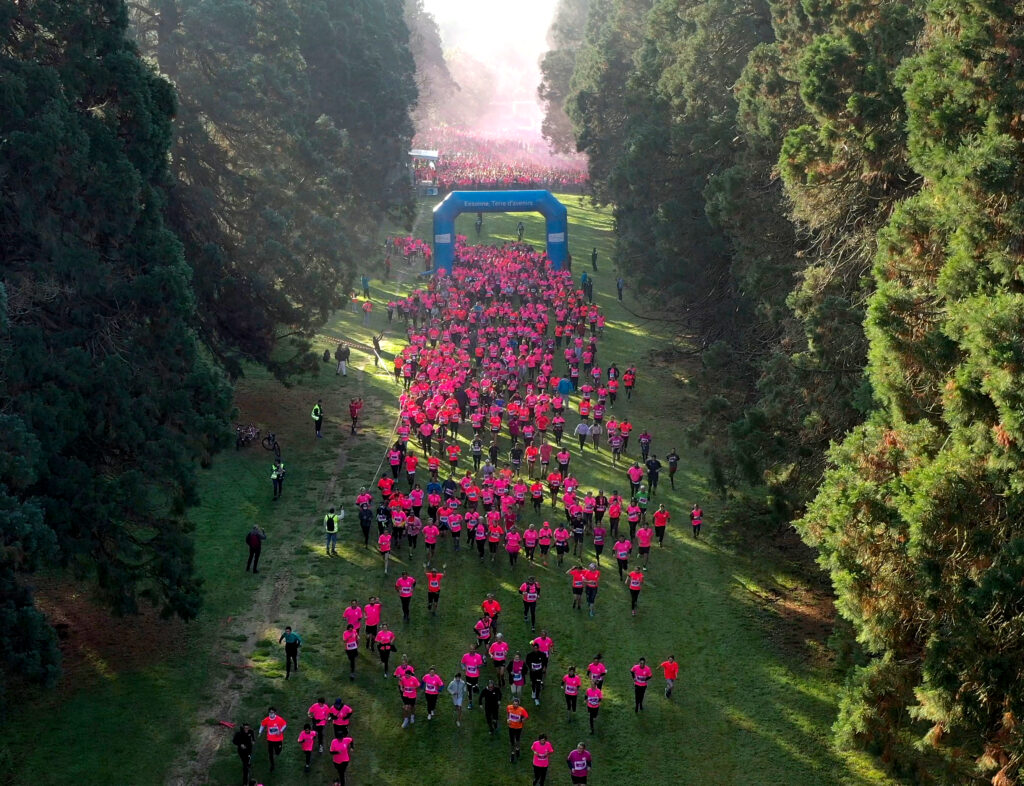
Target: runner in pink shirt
(517, 675)
(404, 585)
(641, 673)
(340, 756)
(542, 750)
(580, 763)
(353, 614)
(409, 684)
(307, 739)
(471, 663)
(644, 536)
(596, 670)
(433, 684)
(350, 640)
(571, 685)
(499, 655)
(385, 641)
(512, 542)
(372, 620)
(594, 696)
(317, 713)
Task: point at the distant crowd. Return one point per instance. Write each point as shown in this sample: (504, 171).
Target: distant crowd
(470, 160)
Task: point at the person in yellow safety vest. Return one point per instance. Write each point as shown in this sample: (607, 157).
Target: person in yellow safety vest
(277, 476)
(332, 523)
(318, 417)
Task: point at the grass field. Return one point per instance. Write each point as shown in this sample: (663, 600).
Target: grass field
(753, 705)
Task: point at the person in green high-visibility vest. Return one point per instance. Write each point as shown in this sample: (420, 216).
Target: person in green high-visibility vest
(318, 417)
(277, 477)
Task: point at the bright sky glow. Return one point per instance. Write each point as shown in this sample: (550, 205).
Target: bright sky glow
(508, 35)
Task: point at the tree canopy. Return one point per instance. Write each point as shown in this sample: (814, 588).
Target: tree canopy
(830, 193)
(181, 190)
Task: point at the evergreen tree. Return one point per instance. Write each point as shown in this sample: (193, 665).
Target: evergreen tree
(919, 518)
(109, 402)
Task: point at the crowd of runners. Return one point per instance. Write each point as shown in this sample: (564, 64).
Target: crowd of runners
(503, 356)
(469, 159)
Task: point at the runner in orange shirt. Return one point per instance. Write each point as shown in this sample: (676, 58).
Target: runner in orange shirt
(274, 725)
(517, 716)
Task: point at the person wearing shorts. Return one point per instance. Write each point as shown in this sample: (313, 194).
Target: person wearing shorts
(671, 671)
(385, 641)
(578, 584)
(372, 620)
(644, 535)
(410, 685)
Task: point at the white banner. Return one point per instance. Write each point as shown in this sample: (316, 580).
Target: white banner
(446, 238)
(556, 237)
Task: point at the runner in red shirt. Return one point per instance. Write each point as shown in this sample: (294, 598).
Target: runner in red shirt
(671, 671)
(434, 588)
(636, 582)
(661, 520)
(274, 725)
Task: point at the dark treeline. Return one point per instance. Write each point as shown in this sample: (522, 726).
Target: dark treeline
(831, 193)
(184, 187)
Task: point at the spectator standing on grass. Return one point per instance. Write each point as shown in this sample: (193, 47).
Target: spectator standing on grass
(292, 642)
(318, 417)
(593, 259)
(620, 285)
(244, 742)
(341, 354)
(332, 522)
(254, 540)
(277, 478)
(367, 309)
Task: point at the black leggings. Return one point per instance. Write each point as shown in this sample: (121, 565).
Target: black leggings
(352, 655)
(638, 697)
(341, 766)
(540, 775)
(635, 594)
(274, 749)
(592, 711)
(570, 702)
(530, 610)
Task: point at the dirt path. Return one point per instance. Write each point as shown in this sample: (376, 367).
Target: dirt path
(194, 765)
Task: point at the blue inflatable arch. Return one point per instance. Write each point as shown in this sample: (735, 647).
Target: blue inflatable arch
(542, 202)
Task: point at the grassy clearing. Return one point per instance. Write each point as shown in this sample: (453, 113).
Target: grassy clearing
(753, 704)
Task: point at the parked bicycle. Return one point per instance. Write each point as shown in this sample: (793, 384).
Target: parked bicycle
(244, 434)
(270, 443)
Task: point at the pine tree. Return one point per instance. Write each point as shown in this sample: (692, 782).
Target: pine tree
(108, 400)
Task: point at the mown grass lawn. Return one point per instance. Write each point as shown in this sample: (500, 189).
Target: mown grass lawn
(749, 708)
